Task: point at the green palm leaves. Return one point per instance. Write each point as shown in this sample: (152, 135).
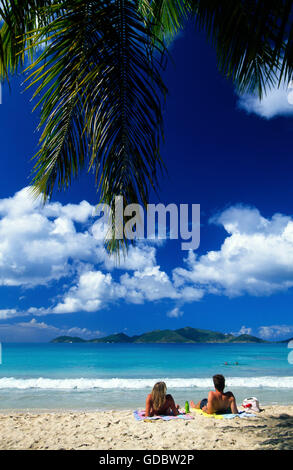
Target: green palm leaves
(99, 91)
(18, 18)
(167, 17)
(253, 39)
(95, 71)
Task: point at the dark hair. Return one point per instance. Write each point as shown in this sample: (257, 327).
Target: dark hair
(219, 382)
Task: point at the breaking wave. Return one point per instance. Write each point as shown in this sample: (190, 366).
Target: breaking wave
(140, 383)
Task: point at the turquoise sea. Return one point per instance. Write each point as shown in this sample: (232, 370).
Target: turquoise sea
(119, 376)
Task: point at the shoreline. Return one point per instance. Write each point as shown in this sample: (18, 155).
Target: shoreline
(118, 430)
(6, 411)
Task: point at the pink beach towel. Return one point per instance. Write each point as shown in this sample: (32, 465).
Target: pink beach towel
(140, 416)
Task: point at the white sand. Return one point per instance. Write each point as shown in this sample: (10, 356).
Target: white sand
(272, 429)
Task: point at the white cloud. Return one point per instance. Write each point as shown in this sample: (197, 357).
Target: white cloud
(92, 292)
(39, 245)
(256, 258)
(275, 331)
(95, 290)
(175, 313)
(243, 331)
(34, 331)
(150, 284)
(137, 258)
(8, 313)
(42, 244)
(77, 212)
(276, 102)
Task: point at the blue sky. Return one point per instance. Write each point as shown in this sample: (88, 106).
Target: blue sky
(230, 154)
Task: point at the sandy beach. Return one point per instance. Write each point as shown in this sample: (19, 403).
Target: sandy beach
(118, 430)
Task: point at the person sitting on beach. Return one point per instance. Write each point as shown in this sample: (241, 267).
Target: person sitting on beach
(217, 401)
(158, 403)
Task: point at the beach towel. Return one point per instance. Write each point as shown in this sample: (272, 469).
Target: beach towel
(140, 416)
(241, 414)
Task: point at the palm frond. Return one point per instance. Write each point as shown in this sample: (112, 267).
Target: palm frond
(19, 18)
(100, 93)
(95, 68)
(166, 17)
(250, 39)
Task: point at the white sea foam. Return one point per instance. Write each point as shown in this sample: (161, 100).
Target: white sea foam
(140, 383)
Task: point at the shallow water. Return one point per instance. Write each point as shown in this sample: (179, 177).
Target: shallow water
(114, 376)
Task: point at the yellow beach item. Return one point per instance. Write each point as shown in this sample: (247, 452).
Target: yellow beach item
(200, 412)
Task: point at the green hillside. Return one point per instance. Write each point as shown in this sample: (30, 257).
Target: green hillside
(181, 335)
(247, 339)
(118, 338)
(68, 339)
(203, 336)
(162, 336)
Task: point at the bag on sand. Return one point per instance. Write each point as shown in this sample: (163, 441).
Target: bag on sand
(251, 404)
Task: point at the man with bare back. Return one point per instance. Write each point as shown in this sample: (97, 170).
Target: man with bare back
(217, 401)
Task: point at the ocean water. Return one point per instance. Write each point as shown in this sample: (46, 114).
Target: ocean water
(119, 376)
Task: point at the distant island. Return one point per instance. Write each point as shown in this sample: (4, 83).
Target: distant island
(182, 335)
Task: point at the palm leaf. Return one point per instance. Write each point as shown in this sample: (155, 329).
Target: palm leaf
(166, 17)
(20, 17)
(100, 94)
(250, 39)
(97, 78)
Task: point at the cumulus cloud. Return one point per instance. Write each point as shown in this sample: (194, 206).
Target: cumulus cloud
(276, 102)
(150, 284)
(275, 331)
(272, 332)
(255, 258)
(95, 290)
(34, 331)
(138, 258)
(243, 331)
(175, 313)
(42, 244)
(39, 245)
(90, 294)
(8, 313)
